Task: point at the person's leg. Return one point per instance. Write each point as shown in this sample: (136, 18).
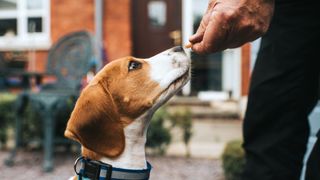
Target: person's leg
(313, 163)
(283, 91)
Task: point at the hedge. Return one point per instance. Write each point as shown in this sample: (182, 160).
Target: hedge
(233, 160)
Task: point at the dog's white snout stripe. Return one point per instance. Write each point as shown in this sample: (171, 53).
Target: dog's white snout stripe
(168, 66)
(176, 63)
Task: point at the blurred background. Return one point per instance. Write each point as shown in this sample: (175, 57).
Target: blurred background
(49, 51)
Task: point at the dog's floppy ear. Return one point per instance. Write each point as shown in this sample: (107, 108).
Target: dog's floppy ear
(95, 123)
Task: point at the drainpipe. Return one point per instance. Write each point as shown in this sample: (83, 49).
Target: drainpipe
(98, 29)
(187, 31)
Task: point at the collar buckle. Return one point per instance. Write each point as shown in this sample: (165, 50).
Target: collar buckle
(91, 170)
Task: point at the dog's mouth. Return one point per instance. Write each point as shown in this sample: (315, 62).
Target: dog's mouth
(172, 89)
(178, 83)
(181, 78)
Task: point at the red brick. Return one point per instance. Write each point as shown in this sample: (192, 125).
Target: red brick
(73, 15)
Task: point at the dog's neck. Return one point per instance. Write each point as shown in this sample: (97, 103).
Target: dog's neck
(133, 156)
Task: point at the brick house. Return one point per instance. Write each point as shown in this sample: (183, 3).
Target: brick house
(128, 27)
(59, 17)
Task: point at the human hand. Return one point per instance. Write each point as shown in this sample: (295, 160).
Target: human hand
(231, 23)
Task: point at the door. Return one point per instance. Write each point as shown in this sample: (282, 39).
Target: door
(156, 26)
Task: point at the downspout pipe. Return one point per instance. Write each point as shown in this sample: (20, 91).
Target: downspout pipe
(187, 31)
(99, 28)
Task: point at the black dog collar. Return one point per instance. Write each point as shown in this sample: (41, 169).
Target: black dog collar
(97, 170)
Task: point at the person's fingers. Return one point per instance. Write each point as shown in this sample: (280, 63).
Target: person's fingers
(199, 48)
(213, 37)
(197, 37)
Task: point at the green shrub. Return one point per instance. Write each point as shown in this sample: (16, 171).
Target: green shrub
(233, 160)
(31, 122)
(163, 121)
(6, 114)
(182, 118)
(158, 136)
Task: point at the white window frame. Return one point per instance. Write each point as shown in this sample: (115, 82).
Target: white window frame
(23, 39)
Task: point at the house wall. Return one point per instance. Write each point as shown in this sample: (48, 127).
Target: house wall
(69, 16)
(117, 28)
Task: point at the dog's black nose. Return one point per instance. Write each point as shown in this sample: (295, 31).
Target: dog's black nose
(177, 49)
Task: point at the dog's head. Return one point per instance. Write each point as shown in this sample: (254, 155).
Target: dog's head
(121, 92)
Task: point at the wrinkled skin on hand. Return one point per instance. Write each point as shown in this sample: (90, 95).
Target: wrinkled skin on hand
(231, 23)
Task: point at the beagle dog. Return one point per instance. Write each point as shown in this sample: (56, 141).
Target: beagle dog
(113, 112)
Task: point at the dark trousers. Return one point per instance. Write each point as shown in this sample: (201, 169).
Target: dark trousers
(313, 164)
(283, 91)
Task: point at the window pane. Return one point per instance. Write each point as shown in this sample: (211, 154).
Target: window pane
(157, 12)
(34, 4)
(8, 4)
(34, 24)
(8, 27)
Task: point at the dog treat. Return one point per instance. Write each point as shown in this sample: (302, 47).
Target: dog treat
(188, 45)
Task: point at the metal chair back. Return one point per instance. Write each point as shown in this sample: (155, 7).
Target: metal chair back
(71, 58)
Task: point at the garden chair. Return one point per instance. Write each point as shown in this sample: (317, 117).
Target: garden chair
(69, 60)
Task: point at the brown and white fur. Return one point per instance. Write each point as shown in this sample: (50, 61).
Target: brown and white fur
(113, 112)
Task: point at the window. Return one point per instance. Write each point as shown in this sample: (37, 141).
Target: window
(157, 12)
(24, 24)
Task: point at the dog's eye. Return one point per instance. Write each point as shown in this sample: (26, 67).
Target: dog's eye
(134, 65)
